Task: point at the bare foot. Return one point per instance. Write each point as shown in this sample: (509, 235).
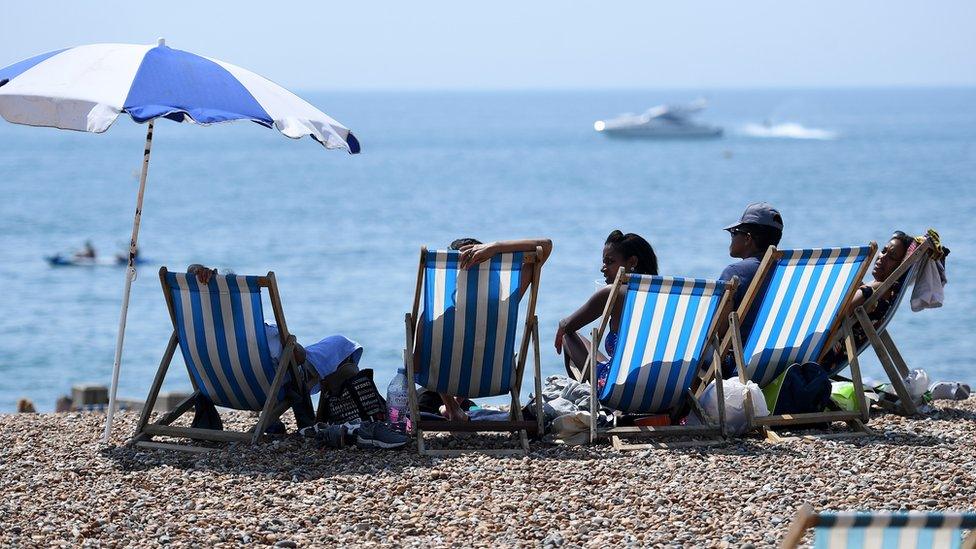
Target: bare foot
(453, 413)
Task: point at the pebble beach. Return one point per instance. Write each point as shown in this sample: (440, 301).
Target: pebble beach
(62, 489)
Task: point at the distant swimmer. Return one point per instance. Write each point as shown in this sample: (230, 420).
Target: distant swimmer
(88, 252)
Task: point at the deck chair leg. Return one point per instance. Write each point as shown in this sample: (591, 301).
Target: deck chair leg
(150, 403)
(516, 415)
(279, 379)
(740, 366)
(593, 389)
(412, 385)
(907, 404)
(862, 399)
(719, 390)
(893, 352)
(540, 420)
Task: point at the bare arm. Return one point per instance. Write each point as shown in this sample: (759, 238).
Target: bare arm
(588, 312)
(472, 254)
(203, 273)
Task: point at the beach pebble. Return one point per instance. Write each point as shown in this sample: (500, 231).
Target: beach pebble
(62, 489)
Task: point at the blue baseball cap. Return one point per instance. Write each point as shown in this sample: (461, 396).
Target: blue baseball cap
(760, 213)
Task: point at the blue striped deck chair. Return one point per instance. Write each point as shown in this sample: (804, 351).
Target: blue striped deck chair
(798, 299)
(219, 329)
(667, 328)
(463, 343)
(883, 530)
(877, 332)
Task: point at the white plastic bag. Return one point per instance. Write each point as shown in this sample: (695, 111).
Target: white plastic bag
(735, 403)
(917, 383)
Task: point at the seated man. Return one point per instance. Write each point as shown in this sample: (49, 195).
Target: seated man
(760, 227)
(322, 365)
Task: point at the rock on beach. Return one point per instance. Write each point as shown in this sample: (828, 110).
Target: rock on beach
(62, 488)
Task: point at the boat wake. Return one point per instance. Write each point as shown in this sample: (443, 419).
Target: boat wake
(787, 130)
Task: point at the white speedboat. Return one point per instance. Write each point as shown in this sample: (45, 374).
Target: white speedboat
(662, 121)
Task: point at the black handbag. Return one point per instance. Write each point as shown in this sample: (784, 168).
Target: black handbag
(358, 399)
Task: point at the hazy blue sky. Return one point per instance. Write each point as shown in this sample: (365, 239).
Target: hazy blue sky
(534, 43)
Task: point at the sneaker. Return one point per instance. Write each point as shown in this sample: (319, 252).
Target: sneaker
(374, 434)
(332, 436)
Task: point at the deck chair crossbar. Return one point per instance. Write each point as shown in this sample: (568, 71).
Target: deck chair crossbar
(218, 327)
(883, 530)
(462, 343)
(667, 329)
(799, 298)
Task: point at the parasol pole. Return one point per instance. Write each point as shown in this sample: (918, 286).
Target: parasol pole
(130, 275)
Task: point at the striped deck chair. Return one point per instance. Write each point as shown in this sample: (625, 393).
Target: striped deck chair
(667, 327)
(219, 328)
(799, 298)
(463, 343)
(882, 530)
(878, 336)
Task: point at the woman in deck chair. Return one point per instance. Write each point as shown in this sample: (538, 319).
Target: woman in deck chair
(889, 259)
(635, 255)
(473, 252)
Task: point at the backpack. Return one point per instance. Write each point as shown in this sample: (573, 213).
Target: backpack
(800, 389)
(357, 399)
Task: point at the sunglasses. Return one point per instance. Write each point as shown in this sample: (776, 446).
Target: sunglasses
(734, 232)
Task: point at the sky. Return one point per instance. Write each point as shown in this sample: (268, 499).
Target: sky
(535, 44)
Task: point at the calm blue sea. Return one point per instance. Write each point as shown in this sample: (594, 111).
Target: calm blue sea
(342, 232)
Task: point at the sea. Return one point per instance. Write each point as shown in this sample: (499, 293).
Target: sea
(343, 233)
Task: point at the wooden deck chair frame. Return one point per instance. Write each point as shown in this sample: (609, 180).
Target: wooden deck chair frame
(807, 518)
(516, 423)
(271, 410)
(712, 431)
(840, 329)
(880, 340)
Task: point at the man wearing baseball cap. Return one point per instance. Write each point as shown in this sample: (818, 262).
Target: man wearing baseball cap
(760, 227)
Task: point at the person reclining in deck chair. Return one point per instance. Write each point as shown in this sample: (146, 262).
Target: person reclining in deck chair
(473, 252)
(889, 258)
(635, 255)
(321, 363)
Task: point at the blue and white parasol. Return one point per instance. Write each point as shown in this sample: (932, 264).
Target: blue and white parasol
(85, 88)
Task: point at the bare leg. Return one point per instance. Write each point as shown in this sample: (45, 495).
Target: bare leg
(452, 408)
(576, 352)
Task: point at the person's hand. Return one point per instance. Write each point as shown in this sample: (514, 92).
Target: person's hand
(204, 274)
(472, 254)
(559, 340)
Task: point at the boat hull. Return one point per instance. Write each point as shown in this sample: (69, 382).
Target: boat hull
(658, 133)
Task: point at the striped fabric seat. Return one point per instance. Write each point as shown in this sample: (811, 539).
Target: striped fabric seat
(798, 308)
(220, 326)
(468, 324)
(663, 333)
(914, 530)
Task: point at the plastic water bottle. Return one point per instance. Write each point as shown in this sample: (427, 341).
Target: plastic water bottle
(397, 401)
